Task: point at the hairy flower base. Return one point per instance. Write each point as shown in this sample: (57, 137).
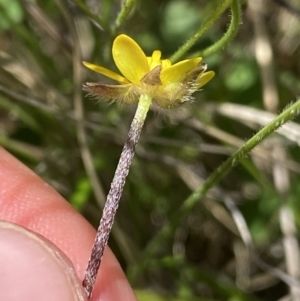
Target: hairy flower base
(168, 85)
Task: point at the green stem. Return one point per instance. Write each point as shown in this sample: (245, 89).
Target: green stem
(115, 193)
(221, 7)
(287, 115)
(123, 14)
(229, 35)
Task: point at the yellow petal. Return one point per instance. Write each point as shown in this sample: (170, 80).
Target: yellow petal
(176, 73)
(166, 63)
(204, 78)
(130, 58)
(106, 72)
(155, 59)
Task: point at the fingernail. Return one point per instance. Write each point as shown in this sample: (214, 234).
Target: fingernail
(32, 268)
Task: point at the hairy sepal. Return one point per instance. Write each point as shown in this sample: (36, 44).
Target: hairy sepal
(123, 94)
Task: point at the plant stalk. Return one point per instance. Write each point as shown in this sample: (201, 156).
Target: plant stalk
(228, 36)
(114, 195)
(123, 15)
(287, 115)
(221, 7)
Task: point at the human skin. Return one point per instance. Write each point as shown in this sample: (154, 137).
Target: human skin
(26, 200)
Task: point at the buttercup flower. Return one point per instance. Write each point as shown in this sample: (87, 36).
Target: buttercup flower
(168, 85)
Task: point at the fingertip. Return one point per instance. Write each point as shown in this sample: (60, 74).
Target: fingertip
(34, 269)
(27, 200)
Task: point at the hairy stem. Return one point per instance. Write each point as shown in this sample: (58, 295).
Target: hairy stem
(229, 35)
(126, 9)
(222, 6)
(287, 115)
(114, 195)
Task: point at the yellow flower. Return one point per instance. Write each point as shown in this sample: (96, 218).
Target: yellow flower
(168, 85)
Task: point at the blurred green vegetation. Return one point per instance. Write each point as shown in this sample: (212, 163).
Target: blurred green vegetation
(204, 258)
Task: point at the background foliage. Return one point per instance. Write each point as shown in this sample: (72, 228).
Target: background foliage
(42, 44)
